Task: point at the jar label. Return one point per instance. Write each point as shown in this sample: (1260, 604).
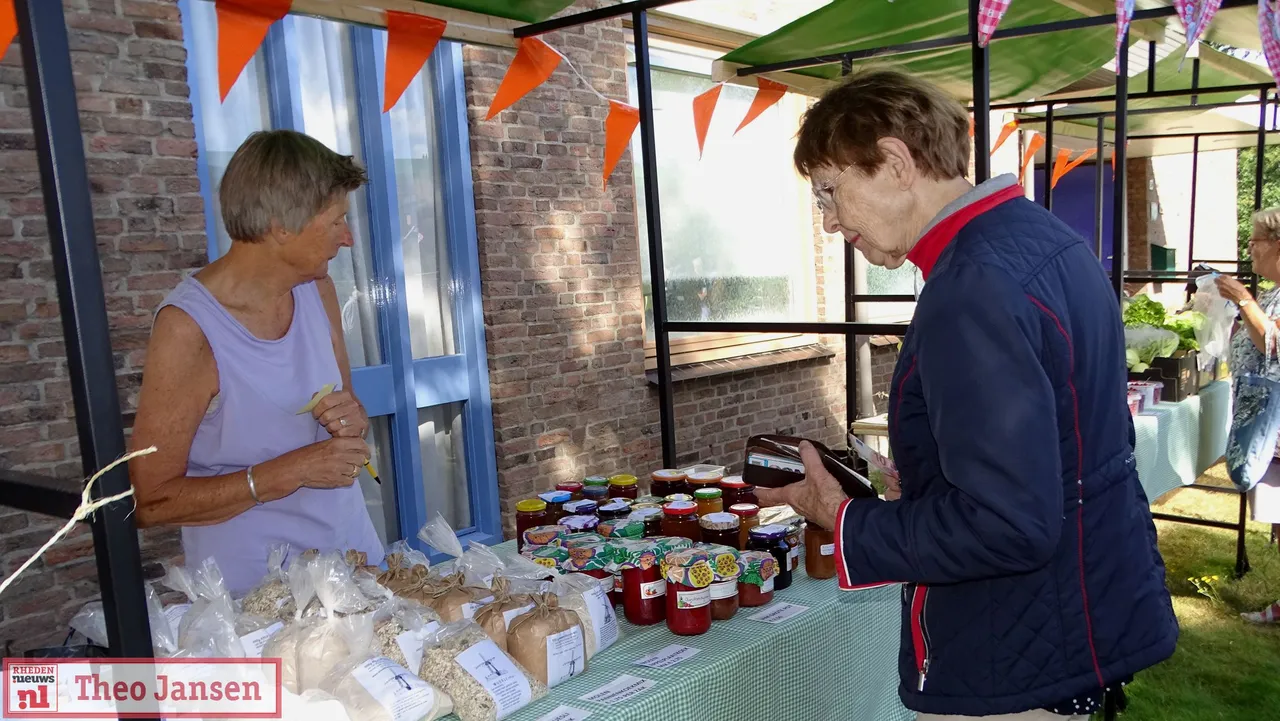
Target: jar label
(653, 589)
(794, 553)
(693, 599)
(724, 589)
(767, 586)
(566, 656)
(828, 549)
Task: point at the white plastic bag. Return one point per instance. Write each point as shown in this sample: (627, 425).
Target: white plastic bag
(583, 595)
(484, 682)
(270, 598)
(91, 622)
(1214, 335)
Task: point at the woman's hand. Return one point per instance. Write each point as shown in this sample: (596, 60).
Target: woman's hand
(333, 463)
(817, 497)
(342, 415)
(1232, 289)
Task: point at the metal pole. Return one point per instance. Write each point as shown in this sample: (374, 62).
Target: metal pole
(1262, 151)
(1195, 174)
(852, 349)
(55, 122)
(981, 99)
(1120, 205)
(1195, 80)
(1098, 179)
(1151, 66)
(649, 159)
(1048, 159)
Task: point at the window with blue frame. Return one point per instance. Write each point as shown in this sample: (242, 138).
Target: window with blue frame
(410, 286)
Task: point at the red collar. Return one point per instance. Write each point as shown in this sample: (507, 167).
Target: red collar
(931, 244)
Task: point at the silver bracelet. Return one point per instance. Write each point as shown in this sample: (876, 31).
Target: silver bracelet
(253, 490)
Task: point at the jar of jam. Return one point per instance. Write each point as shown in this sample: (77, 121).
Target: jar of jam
(553, 557)
(703, 479)
(594, 481)
(530, 513)
(667, 481)
(542, 536)
(737, 491)
(595, 560)
(720, 528)
(680, 518)
(749, 516)
(708, 500)
(652, 520)
(689, 578)
(676, 498)
(613, 511)
(624, 486)
(755, 585)
(726, 563)
(581, 538)
(648, 500)
(627, 527)
(643, 587)
(555, 501)
(573, 488)
(580, 524)
(596, 493)
(581, 508)
(773, 539)
(671, 544)
(819, 551)
(794, 544)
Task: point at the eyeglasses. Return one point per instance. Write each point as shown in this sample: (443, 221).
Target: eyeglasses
(825, 195)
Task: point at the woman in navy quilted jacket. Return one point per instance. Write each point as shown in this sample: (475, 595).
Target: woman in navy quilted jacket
(1023, 540)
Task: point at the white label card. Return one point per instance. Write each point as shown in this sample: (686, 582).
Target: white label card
(566, 656)
(566, 713)
(767, 586)
(779, 612)
(410, 643)
(827, 549)
(510, 615)
(494, 670)
(603, 618)
(724, 589)
(254, 642)
(469, 609)
(668, 657)
(405, 696)
(653, 589)
(622, 689)
(693, 599)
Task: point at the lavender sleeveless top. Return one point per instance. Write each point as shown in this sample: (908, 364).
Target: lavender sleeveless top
(261, 386)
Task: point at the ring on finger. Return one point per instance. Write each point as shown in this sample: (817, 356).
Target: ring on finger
(355, 470)
(342, 422)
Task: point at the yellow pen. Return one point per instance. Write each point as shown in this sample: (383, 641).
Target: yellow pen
(369, 467)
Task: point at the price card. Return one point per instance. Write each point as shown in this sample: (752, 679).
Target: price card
(668, 657)
(622, 689)
(779, 612)
(565, 713)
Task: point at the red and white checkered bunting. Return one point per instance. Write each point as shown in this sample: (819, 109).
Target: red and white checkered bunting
(1124, 16)
(1269, 30)
(989, 14)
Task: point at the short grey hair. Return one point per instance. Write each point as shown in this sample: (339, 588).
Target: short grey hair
(282, 177)
(1266, 224)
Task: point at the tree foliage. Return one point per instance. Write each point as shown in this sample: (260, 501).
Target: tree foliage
(1246, 167)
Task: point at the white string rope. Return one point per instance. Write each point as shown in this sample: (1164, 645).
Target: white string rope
(586, 83)
(86, 509)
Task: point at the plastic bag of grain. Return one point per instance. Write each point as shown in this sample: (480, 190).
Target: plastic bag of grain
(484, 682)
(323, 642)
(583, 595)
(477, 565)
(270, 598)
(548, 641)
(400, 627)
(205, 588)
(373, 687)
(284, 645)
(511, 598)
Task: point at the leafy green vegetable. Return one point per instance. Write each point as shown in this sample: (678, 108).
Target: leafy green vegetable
(1144, 310)
(1185, 325)
(1148, 343)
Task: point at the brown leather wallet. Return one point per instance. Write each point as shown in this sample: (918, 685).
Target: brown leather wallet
(773, 461)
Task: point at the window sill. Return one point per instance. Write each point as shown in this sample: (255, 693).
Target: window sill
(744, 363)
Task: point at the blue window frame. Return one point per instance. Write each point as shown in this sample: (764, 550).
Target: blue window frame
(410, 289)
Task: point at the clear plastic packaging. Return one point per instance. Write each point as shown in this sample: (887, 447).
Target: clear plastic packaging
(284, 645)
(484, 682)
(511, 599)
(1214, 333)
(327, 641)
(270, 598)
(374, 688)
(548, 641)
(399, 628)
(91, 622)
(583, 595)
(202, 626)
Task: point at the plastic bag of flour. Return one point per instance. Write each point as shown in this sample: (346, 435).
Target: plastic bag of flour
(484, 682)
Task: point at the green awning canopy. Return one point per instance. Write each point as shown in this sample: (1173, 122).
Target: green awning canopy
(529, 11)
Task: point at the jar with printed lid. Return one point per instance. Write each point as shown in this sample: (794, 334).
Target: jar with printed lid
(726, 564)
(666, 482)
(643, 587)
(530, 513)
(580, 524)
(755, 585)
(596, 560)
(542, 536)
(773, 539)
(819, 551)
(720, 528)
(689, 577)
(613, 510)
(581, 507)
(680, 518)
(748, 517)
(624, 486)
(627, 527)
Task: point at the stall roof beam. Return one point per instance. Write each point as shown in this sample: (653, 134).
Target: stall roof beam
(625, 9)
(958, 40)
(1074, 117)
(463, 25)
(57, 497)
(1145, 95)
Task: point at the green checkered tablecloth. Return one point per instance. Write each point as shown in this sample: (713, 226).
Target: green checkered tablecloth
(1177, 442)
(836, 661)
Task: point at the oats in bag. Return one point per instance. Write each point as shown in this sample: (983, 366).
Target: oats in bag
(548, 641)
(271, 596)
(400, 627)
(484, 682)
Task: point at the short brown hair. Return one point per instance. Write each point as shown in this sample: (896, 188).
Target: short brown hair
(842, 128)
(282, 176)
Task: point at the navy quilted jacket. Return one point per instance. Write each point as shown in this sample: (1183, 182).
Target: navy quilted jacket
(1023, 539)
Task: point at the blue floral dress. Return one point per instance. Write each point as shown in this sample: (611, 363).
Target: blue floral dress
(1255, 409)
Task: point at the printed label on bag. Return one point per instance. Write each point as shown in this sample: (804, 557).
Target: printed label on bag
(693, 599)
(410, 643)
(724, 589)
(405, 696)
(493, 669)
(509, 616)
(469, 609)
(603, 619)
(173, 614)
(254, 642)
(767, 586)
(828, 549)
(653, 589)
(566, 656)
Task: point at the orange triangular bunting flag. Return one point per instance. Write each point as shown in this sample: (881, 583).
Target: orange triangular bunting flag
(767, 93)
(533, 64)
(8, 25)
(1033, 147)
(410, 40)
(1005, 132)
(703, 107)
(242, 26)
(1059, 166)
(971, 126)
(618, 127)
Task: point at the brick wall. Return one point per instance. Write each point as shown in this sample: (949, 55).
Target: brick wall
(139, 141)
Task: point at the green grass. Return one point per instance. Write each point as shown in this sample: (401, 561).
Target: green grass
(1224, 668)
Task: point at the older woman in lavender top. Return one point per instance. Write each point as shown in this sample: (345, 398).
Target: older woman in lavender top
(236, 351)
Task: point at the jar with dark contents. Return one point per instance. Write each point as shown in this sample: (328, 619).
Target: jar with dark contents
(599, 494)
(726, 563)
(613, 510)
(530, 513)
(819, 551)
(720, 528)
(677, 498)
(755, 585)
(749, 517)
(648, 501)
(596, 482)
(580, 524)
(666, 482)
(652, 520)
(555, 501)
(581, 508)
(773, 539)
(680, 518)
(689, 578)
(794, 545)
(573, 488)
(708, 500)
(644, 589)
(624, 486)
(735, 491)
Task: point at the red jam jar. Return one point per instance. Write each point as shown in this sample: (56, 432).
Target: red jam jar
(755, 585)
(748, 518)
(735, 491)
(530, 513)
(555, 501)
(689, 577)
(624, 486)
(643, 587)
(704, 479)
(726, 563)
(595, 560)
(680, 518)
(573, 488)
(666, 482)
